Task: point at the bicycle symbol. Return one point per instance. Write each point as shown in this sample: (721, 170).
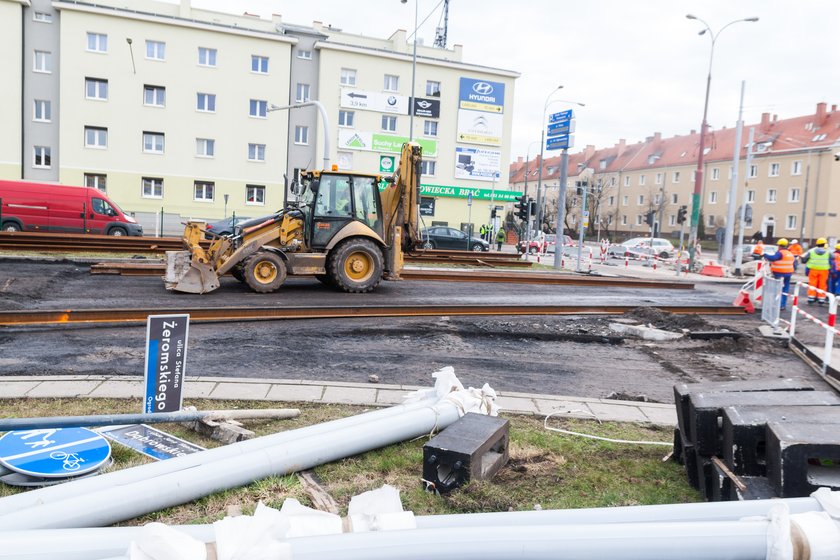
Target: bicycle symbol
(71, 460)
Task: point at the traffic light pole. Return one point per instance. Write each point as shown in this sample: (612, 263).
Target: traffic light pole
(561, 210)
(583, 212)
(679, 253)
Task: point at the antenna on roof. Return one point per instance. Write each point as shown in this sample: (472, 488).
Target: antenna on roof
(440, 32)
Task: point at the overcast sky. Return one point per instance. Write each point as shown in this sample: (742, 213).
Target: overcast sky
(639, 66)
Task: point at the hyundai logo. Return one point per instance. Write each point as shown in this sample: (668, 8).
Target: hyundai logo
(482, 88)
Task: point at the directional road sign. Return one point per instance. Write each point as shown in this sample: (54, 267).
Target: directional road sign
(561, 116)
(54, 452)
(562, 127)
(558, 142)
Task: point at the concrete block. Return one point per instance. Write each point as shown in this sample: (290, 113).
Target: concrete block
(744, 433)
(644, 332)
(677, 455)
(690, 464)
(802, 457)
(758, 488)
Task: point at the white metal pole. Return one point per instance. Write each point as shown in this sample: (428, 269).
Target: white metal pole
(793, 309)
(733, 184)
(559, 246)
(739, 255)
(829, 331)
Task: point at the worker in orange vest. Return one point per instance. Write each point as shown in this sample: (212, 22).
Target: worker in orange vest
(817, 259)
(797, 251)
(781, 265)
(834, 271)
(758, 250)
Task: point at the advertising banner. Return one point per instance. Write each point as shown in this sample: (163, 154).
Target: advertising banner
(477, 127)
(427, 206)
(166, 357)
(374, 101)
(375, 142)
(497, 195)
(477, 163)
(427, 108)
(387, 164)
(481, 95)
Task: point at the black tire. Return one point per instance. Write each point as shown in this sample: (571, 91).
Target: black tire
(428, 245)
(264, 272)
(664, 255)
(117, 232)
(238, 273)
(533, 250)
(11, 226)
(356, 266)
(477, 247)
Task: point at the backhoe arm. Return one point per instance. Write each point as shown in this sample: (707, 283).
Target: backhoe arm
(401, 209)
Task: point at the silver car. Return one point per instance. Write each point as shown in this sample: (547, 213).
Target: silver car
(641, 246)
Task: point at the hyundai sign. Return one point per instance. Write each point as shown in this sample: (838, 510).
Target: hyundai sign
(482, 95)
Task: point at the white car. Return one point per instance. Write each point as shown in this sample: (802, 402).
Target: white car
(641, 246)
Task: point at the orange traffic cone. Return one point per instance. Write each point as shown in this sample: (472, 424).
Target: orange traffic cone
(743, 300)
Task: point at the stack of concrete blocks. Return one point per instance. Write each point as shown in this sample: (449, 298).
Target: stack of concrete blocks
(743, 440)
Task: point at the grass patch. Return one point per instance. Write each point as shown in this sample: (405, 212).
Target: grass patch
(546, 468)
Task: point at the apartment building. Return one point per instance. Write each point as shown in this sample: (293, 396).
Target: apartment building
(183, 112)
(791, 183)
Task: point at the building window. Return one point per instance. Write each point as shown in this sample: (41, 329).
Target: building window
(624, 219)
(42, 110)
(796, 168)
(672, 220)
(97, 42)
(715, 173)
(305, 55)
(674, 198)
(154, 96)
(42, 62)
(658, 179)
(258, 108)
(790, 222)
(640, 200)
(255, 194)
(432, 88)
(627, 180)
(657, 199)
(392, 83)
(302, 135)
(41, 157)
(750, 196)
(205, 147)
(152, 187)
(611, 201)
(345, 118)
(42, 17)
(638, 219)
(155, 50)
(676, 177)
(348, 77)
(96, 137)
(302, 93)
(711, 221)
(712, 197)
(753, 171)
(427, 167)
(95, 181)
(153, 142)
(206, 57)
(206, 102)
(774, 169)
(259, 64)
(793, 195)
(771, 195)
(430, 128)
(203, 191)
(641, 180)
(96, 89)
(256, 152)
(625, 200)
(389, 123)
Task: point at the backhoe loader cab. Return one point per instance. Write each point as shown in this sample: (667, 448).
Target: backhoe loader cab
(341, 229)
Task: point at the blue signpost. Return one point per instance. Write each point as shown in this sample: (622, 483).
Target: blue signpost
(55, 452)
(558, 142)
(560, 117)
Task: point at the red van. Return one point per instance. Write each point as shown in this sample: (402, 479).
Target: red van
(61, 209)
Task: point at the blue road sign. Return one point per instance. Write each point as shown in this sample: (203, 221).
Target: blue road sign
(562, 127)
(558, 142)
(54, 452)
(152, 442)
(561, 116)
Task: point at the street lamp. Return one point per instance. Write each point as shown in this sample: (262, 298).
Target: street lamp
(698, 177)
(413, 76)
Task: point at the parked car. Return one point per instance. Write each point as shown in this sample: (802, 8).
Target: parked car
(548, 247)
(442, 237)
(641, 246)
(62, 209)
(748, 249)
(223, 227)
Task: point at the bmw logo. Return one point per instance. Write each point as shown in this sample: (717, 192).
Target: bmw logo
(482, 88)
(392, 100)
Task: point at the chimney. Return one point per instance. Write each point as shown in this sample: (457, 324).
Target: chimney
(833, 108)
(692, 132)
(657, 137)
(620, 147)
(765, 121)
(775, 118)
(519, 159)
(277, 19)
(588, 152)
(821, 115)
(185, 10)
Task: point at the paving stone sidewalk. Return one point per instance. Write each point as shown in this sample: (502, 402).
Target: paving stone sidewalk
(364, 394)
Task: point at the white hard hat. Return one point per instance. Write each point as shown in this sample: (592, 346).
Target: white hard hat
(795, 241)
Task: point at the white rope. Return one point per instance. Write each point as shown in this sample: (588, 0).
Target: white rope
(600, 438)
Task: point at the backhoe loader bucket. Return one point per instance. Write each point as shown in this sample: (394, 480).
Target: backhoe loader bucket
(185, 274)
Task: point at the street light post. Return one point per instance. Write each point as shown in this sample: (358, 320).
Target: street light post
(413, 75)
(698, 177)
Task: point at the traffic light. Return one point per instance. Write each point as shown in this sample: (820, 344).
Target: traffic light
(681, 214)
(580, 186)
(522, 208)
(492, 213)
(533, 204)
(649, 218)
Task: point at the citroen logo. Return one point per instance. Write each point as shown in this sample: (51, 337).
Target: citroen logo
(482, 88)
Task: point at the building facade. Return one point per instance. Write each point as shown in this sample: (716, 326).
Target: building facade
(181, 113)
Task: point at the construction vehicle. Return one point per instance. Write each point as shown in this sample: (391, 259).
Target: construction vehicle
(341, 228)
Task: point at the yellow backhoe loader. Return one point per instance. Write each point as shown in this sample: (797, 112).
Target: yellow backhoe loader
(342, 229)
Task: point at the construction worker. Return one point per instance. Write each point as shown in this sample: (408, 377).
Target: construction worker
(482, 231)
(834, 271)
(817, 259)
(781, 265)
(797, 251)
(500, 238)
(758, 250)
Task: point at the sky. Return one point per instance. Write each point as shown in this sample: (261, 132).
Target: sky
(639, 67)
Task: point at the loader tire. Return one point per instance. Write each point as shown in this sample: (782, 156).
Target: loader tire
(356, 265)
(264, 272)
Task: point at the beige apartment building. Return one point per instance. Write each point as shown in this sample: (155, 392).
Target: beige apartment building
(792, 184)
(180, 112)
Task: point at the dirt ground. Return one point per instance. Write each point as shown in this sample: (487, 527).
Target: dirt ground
(568, 355)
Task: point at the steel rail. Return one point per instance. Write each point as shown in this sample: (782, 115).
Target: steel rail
(207, 314)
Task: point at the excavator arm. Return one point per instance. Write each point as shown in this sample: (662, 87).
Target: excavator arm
(401, 209)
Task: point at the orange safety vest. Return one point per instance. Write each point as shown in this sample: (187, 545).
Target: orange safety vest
(783, 265)
(758, 249)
